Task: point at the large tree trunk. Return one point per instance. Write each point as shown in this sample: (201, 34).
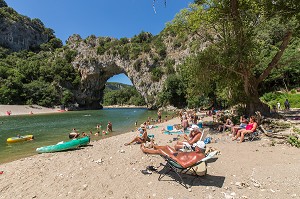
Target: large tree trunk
(253, 102)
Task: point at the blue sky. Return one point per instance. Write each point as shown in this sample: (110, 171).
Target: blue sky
(114, 18)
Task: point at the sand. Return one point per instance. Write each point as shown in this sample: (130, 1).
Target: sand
(26, 109)
(108, 169)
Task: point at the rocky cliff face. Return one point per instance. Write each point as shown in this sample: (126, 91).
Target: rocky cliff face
(96, 69)
(145, 59)
(19, 32)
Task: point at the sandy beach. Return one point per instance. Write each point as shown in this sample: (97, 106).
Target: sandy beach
(25, 110)
(108, 169)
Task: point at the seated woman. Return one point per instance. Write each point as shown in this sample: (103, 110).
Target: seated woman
(250, 128)
(242, 125)
(185, 159)
(140, 139)
(193, 137)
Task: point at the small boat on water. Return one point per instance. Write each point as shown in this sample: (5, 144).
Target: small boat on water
(63, 146)
(19, 138)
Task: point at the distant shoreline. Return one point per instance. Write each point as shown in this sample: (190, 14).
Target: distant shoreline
(125, 106)
(26, 110)
(11, 110)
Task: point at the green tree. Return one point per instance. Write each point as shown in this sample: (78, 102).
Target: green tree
(173, 92)
(233, 29)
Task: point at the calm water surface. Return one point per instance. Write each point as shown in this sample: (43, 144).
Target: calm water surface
(50, 129)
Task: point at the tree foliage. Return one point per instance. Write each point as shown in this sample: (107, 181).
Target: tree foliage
(127, 95)
(238, 32)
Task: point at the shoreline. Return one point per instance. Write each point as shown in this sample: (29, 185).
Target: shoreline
(108, 169)
(26, 110)
(36, 109)
(125, 106)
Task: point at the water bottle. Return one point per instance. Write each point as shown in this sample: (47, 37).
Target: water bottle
(200, 124)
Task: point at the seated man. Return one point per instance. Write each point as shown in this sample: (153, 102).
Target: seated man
(194, 136)
(140, 139)
(185, 159)
(250, 128)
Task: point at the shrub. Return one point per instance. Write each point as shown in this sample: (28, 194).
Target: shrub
(293, 91)
(137, 65)
(293, 140)
(156, 74)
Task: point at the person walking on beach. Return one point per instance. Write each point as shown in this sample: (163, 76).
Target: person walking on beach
(287, 104)
(278, 106)
(159, 116)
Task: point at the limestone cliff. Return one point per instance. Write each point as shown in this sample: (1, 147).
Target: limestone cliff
(96, 65)
(19, 32)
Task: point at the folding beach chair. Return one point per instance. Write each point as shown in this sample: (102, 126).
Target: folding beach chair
(172, 165)
(253, 136)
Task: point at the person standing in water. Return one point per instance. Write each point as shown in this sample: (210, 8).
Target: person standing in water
(109, 127)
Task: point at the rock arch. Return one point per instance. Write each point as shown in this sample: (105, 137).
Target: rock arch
(96, 69)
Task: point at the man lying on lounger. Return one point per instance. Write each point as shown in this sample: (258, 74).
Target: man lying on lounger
(185, 159)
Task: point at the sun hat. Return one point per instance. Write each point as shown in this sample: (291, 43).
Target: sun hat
(194, 127)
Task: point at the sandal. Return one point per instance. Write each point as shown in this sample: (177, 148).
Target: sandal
(151, 168)
(146, 172)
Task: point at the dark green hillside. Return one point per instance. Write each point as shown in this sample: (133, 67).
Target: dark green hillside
(115, 86)
(121, 94)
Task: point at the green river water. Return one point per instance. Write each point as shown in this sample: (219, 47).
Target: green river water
(49, 129)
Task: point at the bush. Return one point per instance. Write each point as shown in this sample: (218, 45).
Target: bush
(273, 98)
(156, 74)
(293, 140)
(293, 91)
(137, 65)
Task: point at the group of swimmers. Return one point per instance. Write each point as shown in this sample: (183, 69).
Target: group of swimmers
(74, 134)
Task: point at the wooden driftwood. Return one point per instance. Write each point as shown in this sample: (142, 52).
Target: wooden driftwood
(278, 135)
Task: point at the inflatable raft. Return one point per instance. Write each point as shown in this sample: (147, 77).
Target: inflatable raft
(19, 138)
(62, 146)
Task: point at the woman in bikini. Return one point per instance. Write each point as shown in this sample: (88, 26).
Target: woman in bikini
(140, 139)
(250, 128)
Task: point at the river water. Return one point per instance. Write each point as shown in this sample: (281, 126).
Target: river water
(49, 129)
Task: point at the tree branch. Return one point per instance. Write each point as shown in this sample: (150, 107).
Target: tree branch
(277, 57)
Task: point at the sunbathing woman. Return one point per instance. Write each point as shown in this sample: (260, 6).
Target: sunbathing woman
(185, 159)
(194, 136)
(140, 139)
(250, 128)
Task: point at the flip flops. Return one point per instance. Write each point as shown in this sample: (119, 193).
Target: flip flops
(151, 168)
(146, 172)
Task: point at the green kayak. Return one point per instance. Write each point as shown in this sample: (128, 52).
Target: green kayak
(62, 146)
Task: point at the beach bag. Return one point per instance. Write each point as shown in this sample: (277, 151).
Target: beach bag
(200, 169)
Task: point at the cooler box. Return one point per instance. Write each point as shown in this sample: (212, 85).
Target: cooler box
(169, 128)
(200, 125)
